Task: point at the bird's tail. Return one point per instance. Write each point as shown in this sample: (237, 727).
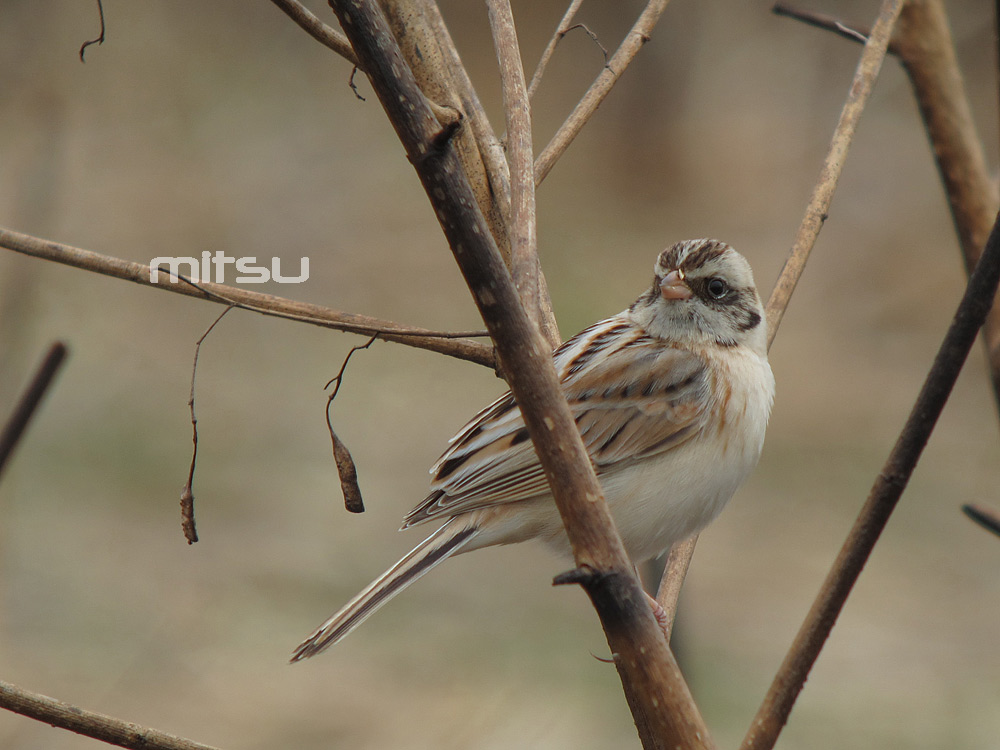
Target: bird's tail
(439, 546)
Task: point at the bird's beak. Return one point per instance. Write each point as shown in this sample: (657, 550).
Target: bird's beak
(674, 286)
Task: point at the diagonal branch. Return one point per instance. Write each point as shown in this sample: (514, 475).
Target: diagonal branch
(816, 212)
(101, 727)
(884, 495)
(661, 703)
(564, 25)
(637, 36)
(452, 344)
(15, 426)
(322, 33)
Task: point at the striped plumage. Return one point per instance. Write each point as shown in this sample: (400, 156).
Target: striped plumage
(671, 397)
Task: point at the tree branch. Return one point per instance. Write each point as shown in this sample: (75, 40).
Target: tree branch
(656, 692)
(925, 47)
(637, 36)
(564, 25)
(325, 35)
(819, 203)
(90, 724)
(30, 399)
(882, 499)
(525, 268)
(417, 27)
(452, 344)
(816, 213)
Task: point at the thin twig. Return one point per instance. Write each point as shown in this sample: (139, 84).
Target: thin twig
(657, 694)
(312, 25)
(28, 404)
(101, 727)
(819, 203)
(452, 344)
(564, 25)
(525, 268)
(637, 36)
(346, 469)
(986, 517)
(668, 594)
(885, 493)
(812, 223)
(100, 37)
(187, 494)
(827, 23)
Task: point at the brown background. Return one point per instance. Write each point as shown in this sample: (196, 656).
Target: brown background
(224, 127)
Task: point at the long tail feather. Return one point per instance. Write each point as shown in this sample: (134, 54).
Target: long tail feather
(436, 548)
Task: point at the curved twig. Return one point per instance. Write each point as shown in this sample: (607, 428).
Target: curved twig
(637, 36)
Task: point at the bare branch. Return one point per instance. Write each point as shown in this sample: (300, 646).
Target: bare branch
(28, 404)
(826, 22)
(812, 223)
(422, 36)
(674, 573)
(923, 42)
(490, 149)
(819, 203)
(452, 344)
(550, 48)
(525, 268)
(925, 46)
(90, 724)
(654, 687)
(325, 35)
(986, 517)
(600, 88)
(882, 499)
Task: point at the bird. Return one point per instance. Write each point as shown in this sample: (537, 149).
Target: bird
(672, 398)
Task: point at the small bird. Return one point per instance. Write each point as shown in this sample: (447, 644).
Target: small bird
(671, 397)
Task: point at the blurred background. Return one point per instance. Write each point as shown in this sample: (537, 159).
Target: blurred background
(223, 126)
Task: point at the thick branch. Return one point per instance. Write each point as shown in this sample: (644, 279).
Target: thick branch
(637, 36)
(654, 687)
(422, 36)
(266, 304)
(924, 44)
(90, 724)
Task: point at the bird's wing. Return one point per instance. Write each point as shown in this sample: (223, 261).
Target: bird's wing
(631, 396)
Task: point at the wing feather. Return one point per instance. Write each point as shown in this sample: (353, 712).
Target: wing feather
(632, 397)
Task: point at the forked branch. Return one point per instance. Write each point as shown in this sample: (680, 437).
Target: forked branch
(661, 703)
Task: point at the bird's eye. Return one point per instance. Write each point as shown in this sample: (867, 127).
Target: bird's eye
(717, 288)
